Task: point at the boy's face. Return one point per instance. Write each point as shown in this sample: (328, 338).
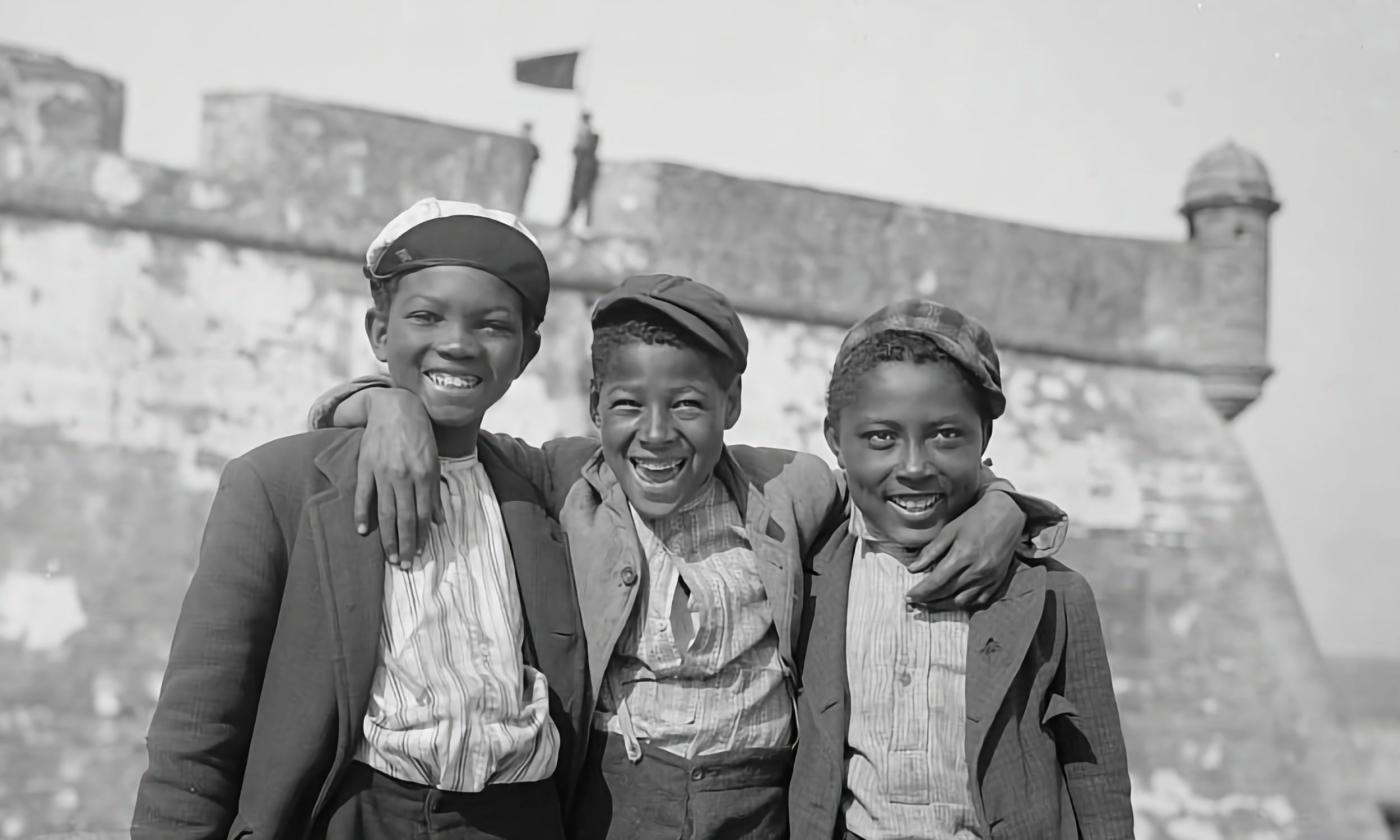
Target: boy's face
(662, 415)
(911, 444)
(454, 336)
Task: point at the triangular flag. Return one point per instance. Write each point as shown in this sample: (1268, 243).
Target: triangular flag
(551, 71)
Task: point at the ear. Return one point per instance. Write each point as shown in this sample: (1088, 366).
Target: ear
(733, 402)
(377, 330)
(529, 350)
(833, 440)
(593, 396)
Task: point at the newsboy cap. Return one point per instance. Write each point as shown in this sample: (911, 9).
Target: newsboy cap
(965, 341)
(436, 232)
(700, 310)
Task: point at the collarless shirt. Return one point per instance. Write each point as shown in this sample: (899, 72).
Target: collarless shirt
(698, 665)
(906, 667)
(453, 704)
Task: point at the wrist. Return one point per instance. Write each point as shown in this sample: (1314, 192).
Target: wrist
(388, 404)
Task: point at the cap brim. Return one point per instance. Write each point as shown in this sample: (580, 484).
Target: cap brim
(684, 318)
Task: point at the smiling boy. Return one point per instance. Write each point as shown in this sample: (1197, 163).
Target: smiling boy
(688, 557)
(942, 724)
(314, 690)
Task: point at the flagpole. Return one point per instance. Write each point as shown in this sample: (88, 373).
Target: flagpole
(584, 81)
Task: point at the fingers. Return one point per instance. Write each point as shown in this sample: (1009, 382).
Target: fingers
(406, 520)
(364, 494)
(388, 519)
(974, 595)
(930, 554)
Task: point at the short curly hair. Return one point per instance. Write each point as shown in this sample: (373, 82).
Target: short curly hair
(894, 346)
(624, 325)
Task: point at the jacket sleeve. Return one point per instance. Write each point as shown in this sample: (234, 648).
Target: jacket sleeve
(199, 735)
(1046, 523)
(322, 413)
(1089, 738)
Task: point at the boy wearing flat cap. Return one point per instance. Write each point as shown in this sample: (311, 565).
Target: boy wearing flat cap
(939, 723)
(314, 690)
(689, 561)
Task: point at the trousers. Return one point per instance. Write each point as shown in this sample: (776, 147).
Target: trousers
(737, 795)
(372, 806)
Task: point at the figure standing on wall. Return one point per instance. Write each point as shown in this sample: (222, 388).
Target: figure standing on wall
(532, 157)
(585, 171)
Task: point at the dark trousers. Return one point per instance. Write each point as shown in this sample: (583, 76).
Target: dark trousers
(373, 806)
(738, 795)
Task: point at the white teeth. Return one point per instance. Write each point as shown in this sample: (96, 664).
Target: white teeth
(656, 463)
(657, 470)
(447, 380)
(916, 504)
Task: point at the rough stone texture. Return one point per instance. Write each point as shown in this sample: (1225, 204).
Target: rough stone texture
(44, 99)
(154, 323)
(326, 165)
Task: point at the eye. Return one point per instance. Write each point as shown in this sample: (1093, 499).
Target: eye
(423, 316)
(692, 404)
(624, 404)
(879, 439)
(500, 326)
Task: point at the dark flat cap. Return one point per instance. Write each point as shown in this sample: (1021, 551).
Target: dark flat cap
(696, 308)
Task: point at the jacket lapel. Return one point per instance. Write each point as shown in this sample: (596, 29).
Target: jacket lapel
(535, 545)
(824, 660)
(607, 560)
(997, 640)
(352, 571)
(773, 559)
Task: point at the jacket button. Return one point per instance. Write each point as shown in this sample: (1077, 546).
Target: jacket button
(629, 576)
(698, 773)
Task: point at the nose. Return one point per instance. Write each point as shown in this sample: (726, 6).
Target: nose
(914, 463)
(457, 341)
(656, 428)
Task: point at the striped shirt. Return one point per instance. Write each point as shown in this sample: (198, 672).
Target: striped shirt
(906, 765)
(453, 705)
(700, 673)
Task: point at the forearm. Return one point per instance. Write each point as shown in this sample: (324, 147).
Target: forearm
(346, 405)
(1045, 524)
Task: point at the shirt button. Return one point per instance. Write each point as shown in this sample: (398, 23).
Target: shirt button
(697, 774)
(903, 677)
(629, 576)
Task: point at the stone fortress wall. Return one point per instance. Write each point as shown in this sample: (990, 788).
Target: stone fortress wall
(155, 323)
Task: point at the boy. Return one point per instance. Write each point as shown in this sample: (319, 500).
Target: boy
(313, 689)
(937, 724)
(689, 561)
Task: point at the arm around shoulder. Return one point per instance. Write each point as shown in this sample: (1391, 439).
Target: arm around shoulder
(330, 408)
(820, 499)
(1090, 740)
(199, 735)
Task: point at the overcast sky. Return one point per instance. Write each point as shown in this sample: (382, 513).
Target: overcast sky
(1077, 114)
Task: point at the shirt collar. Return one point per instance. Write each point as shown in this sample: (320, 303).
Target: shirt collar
(872, 540)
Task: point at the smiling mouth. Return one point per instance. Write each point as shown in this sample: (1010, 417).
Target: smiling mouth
(915, 504)
(452, 382)
(656, 470)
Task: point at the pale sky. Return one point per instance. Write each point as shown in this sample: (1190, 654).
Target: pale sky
(1078, 114)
